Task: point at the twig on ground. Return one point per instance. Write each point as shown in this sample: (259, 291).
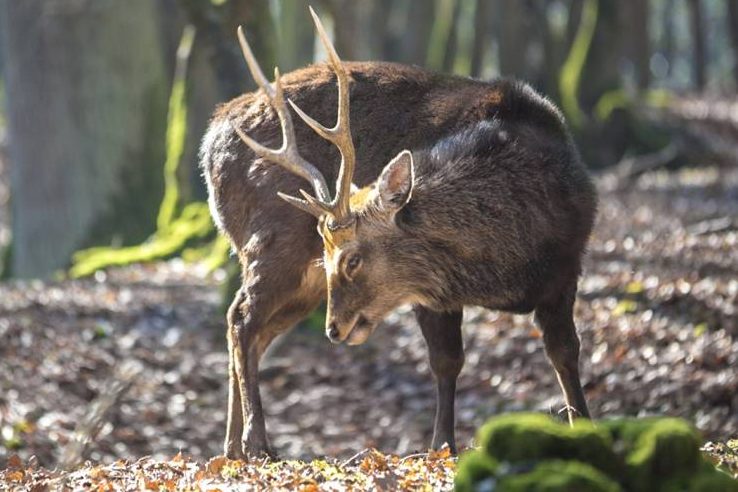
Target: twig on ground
(356, 457)
(713, 226)
(413, 456)
(92, 422)
(632, 167)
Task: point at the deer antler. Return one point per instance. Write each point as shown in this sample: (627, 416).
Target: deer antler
(287, 155)
(340, 134)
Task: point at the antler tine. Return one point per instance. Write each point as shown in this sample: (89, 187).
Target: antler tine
(287, 155)
(314, 202)
(301, 204)
(340, 134)
(253, 65)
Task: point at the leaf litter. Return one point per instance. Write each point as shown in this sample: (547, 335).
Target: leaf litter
(656, 313)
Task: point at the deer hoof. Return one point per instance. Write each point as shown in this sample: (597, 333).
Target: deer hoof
(233, 451)
(253, 450)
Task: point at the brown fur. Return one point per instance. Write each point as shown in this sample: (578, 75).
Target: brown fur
(500, 212)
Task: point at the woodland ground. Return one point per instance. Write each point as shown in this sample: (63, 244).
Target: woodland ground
(657, 314)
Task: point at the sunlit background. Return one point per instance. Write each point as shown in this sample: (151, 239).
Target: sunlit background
(87, 86)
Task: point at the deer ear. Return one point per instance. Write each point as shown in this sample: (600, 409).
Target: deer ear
(395, 184)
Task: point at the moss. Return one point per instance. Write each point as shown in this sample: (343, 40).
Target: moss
(570, 75)
(531, 437)
(625, 431)
(619, 99)
(6, 259)
(194, 224)
(559, 476)
(176, 135)
(177, 227)
(667, 448)
(475, 467)
(536, 453)
(713, 481)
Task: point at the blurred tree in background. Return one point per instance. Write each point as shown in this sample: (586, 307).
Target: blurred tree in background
(86, 106)
(87, 82)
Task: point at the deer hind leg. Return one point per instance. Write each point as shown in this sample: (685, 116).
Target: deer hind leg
(442, 333)
(234, 422)
(249, 334)
(270, 302)
(560, 339)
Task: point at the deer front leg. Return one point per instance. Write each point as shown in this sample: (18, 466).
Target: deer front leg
(249, 334)
(248, 337)
(271, 300)
(562, 347)
(442, 333)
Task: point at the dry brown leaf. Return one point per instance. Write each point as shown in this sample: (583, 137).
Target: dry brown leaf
(441, 454)
(15, 476)
(216, 464)
(105, 486)
(14, 461)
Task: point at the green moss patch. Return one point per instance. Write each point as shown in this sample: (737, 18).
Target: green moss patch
(534, 453)
(518, 438)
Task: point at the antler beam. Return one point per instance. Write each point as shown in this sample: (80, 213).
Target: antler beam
(287, 155)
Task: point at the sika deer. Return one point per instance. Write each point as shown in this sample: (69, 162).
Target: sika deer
(486, 203)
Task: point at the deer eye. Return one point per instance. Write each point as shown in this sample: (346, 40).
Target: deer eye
(352, 264)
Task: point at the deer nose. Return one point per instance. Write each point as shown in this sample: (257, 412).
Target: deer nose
(332, 332)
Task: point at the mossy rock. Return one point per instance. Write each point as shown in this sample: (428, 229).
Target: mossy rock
(532, 453)
(712, 481)
(559, 476)
(523, 437)
(476, 471)
(658, 450)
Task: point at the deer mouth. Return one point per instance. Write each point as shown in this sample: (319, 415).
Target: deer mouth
(360, 332)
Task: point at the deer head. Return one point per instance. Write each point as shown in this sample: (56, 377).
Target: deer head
(357, 226)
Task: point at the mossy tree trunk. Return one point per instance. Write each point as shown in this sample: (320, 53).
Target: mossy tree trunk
(512, 38)
(86, 120)
(481, 37)
(637, 42)
(668, 37)
(417, 28)
(296, 38)
(699, 50)
(733, 31)
(601, 70)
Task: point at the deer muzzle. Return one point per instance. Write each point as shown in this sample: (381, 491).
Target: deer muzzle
(355, 332)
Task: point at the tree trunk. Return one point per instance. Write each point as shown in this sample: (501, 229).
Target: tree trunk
(346, 29)
(481, 37)
(733, 30)
(551, 47)
(218, 71)
(297, 37)
(572, 22)
(668, 37)
(452, 42)
(256, 19)
(699, 60)
(637, 42)
(512, 40)
(601, 72)
(417, 32)
(378, 38)
(86, 121)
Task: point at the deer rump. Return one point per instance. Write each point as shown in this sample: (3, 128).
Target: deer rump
(500, 193)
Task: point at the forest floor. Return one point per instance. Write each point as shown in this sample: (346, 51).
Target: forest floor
(139, 354)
